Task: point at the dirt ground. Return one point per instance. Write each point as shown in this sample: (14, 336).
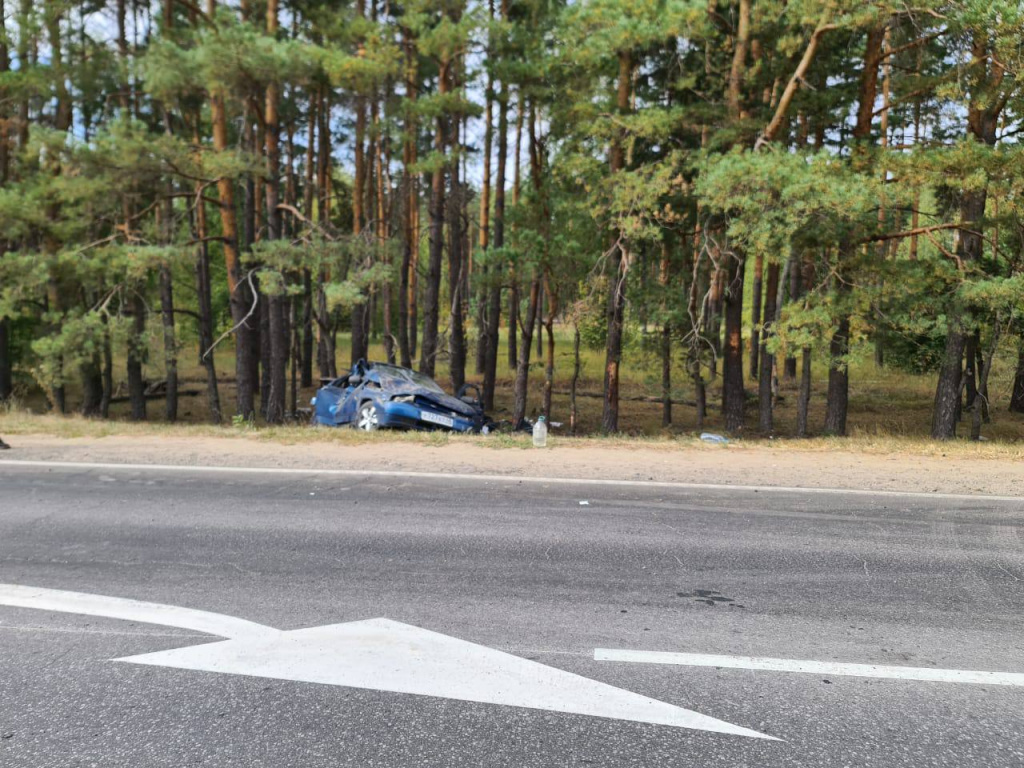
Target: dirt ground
(688, 462)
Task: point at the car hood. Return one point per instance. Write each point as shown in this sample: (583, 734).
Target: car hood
(443, 401)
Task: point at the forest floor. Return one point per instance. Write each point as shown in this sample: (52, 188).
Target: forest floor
(885, 403)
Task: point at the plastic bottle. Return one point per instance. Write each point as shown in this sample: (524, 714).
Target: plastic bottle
(540, 433)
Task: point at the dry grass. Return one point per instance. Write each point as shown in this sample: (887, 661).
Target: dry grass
(890, 413)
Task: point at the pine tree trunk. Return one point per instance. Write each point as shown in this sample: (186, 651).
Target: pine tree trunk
(296, 354)
(136, 384)
(574, 416)
(106, 372)
(756, 319)
(513, 278)
(432, 294)
(170, 343)
(6, 361)
(494, 297)
(971, 348)
(733, 395)
(839, 346)
(523, 363)
(305, 350)
(838, 402)
(204, 293)
(411, 202)
(6, 353)
(414, 271)
(767, 365)
(277, 397)
(456, 267)
(263, 350)
(549, 365)
(619, 268)
(483, 316)
(1017, 395)
(277, 305)
(540, 309)
(803, 402)
(92, 386)
(949, 387)
(240, 294)
(795, 288)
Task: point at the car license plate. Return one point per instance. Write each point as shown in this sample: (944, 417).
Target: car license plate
(434, 418)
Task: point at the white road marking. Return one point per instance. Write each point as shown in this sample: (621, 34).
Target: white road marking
(499, 479)
(812, 667)
(376, 654)
(385, 655)
(132, 610)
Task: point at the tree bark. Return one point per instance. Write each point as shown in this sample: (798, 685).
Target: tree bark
(795, 289)
(277, 304)
(170, 343)
(513, 278)
(494, 298)
(6, 362)
(1017, 395)
(483, 316)
(432, 294)
(456, 256)
(107, 372)
(136, 384)
(619, 267)
(523, 363)
(92, 386)
(6, 358)
(839, 346)
(305, 349)
(767, 366)
(978, 405)
(411, 204)
(733, 395)
(664, 276)
(982, 122)
(950, 384)
(241, 297)
(549, 364)
(574, 416)
(204, 299)
(384, 253)
(803, 402)
(755, 315)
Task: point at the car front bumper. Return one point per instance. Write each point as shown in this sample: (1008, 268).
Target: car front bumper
(410, 416)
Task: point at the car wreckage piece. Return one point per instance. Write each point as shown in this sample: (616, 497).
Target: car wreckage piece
(373, 396)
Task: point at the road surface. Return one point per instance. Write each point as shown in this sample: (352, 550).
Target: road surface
(554, 573)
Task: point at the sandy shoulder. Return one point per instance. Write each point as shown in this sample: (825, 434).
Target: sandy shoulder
(732, 464)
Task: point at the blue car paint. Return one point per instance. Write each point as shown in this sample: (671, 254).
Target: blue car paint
(338, 403)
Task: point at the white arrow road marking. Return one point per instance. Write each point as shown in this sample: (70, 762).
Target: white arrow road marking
(131, 610)
(377, 654)
(813, 667)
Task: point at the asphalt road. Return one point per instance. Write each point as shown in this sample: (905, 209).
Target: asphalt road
(523, 568)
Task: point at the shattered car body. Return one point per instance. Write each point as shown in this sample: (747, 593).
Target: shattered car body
(377, 395)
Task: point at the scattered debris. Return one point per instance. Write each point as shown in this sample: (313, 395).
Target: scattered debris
(711, 437)
(584, 503)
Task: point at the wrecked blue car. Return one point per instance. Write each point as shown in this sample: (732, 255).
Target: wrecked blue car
(377, 395)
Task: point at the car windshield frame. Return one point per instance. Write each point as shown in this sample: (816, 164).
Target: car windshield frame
(395, 376)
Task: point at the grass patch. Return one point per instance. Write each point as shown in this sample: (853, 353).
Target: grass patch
(890, 410)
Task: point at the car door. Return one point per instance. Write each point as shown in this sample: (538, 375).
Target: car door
(329, 401)
(349, 403)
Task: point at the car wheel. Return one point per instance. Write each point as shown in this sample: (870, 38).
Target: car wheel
(366, 418)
